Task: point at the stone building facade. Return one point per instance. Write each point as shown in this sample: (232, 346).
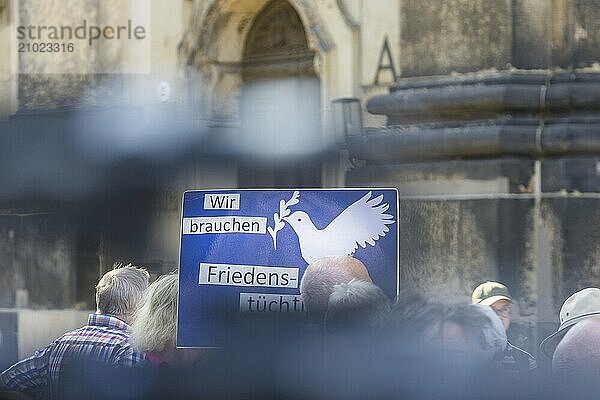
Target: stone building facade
(483, 113)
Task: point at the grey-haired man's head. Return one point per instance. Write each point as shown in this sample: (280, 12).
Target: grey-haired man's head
(120, 291)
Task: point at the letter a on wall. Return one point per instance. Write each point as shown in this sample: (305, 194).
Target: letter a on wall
(385, 52)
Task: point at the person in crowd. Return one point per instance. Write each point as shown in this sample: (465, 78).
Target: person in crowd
(409, 305)
(515, 361)
(105, 338)
(461, 330)
(412, 315)
(320, 278)
(356, 305)
(494, 333)
(577, 355)
(575, 346)
(154, 330)
(428, 325)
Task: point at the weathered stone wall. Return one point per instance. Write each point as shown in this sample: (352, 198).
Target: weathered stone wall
(109, 72)
(538, 29)
(7, 87)
(555, 34)
(586, 33)
(37, 255)
(440, 37)
(474, 216)
(462, 223)
(58, 255)
(41, 91)
(453, 239)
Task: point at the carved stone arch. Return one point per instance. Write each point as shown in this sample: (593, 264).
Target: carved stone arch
(276, 45)
(280, 101)
(319, 37)
(212, 20)
(213, 51)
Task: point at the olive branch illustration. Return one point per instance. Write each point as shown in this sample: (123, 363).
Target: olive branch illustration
(284, 211)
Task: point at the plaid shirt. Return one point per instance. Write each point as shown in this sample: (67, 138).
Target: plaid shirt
(104, 339)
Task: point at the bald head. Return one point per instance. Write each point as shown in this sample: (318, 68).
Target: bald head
(320, 278)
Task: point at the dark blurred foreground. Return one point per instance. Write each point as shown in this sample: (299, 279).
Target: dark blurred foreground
(290, 360)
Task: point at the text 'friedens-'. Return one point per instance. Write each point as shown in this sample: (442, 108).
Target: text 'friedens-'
(247, 275)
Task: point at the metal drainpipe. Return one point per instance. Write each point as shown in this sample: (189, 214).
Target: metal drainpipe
(542, 235)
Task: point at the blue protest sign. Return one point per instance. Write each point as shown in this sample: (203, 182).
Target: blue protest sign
(246, 250)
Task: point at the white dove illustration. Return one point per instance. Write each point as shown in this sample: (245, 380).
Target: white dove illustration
(362, 222)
